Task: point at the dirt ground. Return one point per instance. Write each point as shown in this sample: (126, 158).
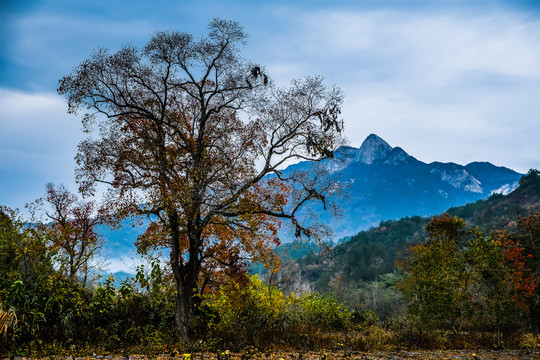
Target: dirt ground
(406, 355)
(383, 355)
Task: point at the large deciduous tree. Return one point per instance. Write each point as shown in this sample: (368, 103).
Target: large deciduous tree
(194, 136)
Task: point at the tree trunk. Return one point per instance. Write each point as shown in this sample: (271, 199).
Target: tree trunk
(535, 321)
(183, 311)
(185, 275)
(184, 305)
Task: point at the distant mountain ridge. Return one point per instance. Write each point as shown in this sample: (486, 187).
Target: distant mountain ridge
(386, 182)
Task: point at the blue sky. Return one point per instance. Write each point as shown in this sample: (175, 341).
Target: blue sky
(444, 80)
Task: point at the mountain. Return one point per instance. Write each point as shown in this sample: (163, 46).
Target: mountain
(382, 183)
(372, 253)
(385, 182)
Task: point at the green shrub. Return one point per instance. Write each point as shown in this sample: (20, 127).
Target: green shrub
(319, 312)
(258, 315)
(245, 314)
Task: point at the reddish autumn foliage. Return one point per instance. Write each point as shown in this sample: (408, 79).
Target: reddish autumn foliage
(523, 254)
(69, 230)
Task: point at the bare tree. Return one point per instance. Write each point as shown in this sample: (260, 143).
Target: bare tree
(193, 136)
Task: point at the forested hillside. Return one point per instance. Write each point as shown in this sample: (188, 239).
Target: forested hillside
(372, 253)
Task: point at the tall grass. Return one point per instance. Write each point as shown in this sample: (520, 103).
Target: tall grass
(7, 319)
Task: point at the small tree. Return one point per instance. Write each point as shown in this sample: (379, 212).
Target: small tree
(496, 307)
(194, 136)
(523, 255)
(438, 274)
(72, 231)
(459, 274)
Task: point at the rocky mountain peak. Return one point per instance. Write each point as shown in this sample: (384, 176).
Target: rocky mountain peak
(396, 156)
(372, 148)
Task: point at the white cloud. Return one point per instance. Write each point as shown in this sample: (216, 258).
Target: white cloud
(38, 142)
(26, 110)
(448, 45)
(37, 124)
(444, 86)
(121, 265)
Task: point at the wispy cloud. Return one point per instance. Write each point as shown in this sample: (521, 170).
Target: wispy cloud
(431, 82)
(38, 141)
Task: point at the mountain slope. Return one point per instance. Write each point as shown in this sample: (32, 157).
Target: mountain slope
(371, 253)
